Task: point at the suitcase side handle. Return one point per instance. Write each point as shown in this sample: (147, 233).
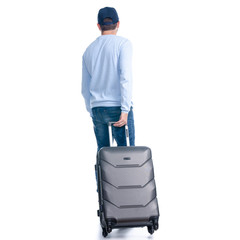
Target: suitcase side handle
(111, 139)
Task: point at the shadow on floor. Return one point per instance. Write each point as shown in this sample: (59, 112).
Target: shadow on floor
(125, 233)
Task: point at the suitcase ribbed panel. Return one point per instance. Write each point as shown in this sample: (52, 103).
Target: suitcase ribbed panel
(132, 196)
(127, 176)
(118, 156)
(134, 214)
(128, 185)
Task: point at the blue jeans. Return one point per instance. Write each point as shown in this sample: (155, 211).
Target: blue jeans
(102, 116)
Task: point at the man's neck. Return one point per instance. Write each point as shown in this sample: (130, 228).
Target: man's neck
(110, 32)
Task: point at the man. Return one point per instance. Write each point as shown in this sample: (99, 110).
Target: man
(107, 81)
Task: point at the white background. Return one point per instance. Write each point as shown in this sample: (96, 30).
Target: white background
(187, 109)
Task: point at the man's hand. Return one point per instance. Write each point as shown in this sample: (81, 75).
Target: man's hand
(122, 121)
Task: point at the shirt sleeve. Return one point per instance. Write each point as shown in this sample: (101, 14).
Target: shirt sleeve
(125, 67)
(85, 86)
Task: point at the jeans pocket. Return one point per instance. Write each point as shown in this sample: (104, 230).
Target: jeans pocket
(113, 115)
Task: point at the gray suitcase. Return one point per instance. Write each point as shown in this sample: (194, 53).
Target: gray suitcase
(126, 188)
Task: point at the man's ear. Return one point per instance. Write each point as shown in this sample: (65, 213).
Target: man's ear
(118, 23)
(99, 27)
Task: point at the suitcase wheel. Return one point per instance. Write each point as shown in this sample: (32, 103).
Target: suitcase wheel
(150, 229)
(104, 232)
(155, 224)
(109, 226)
(109, 229)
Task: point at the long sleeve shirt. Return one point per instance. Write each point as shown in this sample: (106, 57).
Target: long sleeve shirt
(107, 73)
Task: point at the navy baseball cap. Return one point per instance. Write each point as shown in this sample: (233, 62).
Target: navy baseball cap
(107, 12)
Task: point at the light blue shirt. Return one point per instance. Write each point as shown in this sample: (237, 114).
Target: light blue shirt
(107, 73)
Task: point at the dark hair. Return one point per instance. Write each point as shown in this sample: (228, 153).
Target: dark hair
(108, 27)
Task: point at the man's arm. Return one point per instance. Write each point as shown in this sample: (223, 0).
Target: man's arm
(85, 86)
(125, 67)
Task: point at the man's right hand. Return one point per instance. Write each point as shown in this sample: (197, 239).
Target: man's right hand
(122, 121)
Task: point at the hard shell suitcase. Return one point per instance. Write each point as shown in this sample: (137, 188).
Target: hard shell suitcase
(126, 188)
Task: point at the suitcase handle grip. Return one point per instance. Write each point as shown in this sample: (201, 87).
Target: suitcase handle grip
(111, 139)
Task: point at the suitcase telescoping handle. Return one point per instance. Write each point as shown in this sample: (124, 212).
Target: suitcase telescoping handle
(111, 140)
